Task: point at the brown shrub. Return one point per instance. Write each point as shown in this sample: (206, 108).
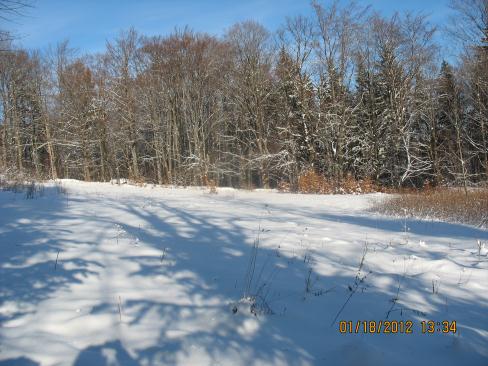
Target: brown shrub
(368, 186)
(139, 181)
(210, 183)
(284, 186)
(351, 185)
(311, 182)
(212, 186)
(445, 204)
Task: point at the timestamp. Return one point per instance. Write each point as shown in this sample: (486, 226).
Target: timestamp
(397, 327)
(432, 327)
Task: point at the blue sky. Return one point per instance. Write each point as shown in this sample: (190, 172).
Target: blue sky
(89, 23)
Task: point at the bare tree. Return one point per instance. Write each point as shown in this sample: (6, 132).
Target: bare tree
(124, 63)
(9, 10)
(252, 92)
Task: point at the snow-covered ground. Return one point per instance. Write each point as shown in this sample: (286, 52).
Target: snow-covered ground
(123, 275)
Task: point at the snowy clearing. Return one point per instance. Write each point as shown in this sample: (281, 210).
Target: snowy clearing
(123, 275)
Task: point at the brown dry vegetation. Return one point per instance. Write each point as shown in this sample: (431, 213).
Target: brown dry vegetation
(445, 204)
(311, 182)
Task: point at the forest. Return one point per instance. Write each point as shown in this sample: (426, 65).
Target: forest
(346, 94)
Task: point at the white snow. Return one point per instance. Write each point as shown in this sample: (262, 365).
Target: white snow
(112, 274)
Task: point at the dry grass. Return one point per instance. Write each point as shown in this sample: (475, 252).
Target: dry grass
(445, 204)
(20, 182)
(139, 181)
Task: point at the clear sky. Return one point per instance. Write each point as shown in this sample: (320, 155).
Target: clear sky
(89, 23)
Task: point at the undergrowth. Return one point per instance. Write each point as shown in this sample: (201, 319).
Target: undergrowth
(312, 182)
(444, 204)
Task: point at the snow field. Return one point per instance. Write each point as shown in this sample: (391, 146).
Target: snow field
(108, 274)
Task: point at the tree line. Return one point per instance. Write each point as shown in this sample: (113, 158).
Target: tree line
(344, 93)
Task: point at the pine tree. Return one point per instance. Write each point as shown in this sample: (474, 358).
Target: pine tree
(451, 121)
(366, 138)
(390, 77)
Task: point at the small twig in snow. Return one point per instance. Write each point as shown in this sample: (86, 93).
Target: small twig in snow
(56, 263)
(120, 309)
(357, 281)
(163, 255)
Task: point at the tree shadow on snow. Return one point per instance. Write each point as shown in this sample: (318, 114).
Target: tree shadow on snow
(208, 254)
(32, 267)
(110, 353)
(19, 361)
